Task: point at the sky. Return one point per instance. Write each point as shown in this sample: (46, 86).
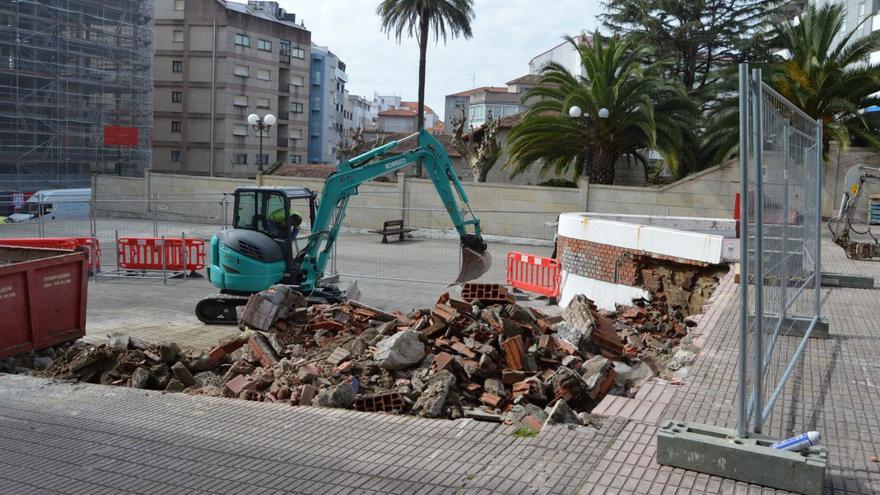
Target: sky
(507, 34)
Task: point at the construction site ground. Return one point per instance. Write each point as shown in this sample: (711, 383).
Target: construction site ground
(76, 438)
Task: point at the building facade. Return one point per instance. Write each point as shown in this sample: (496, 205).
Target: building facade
(361, 117)
(479, 103)
(75, 91)
(327, 106)
(565, 54)
(856, 12)
(216, 63)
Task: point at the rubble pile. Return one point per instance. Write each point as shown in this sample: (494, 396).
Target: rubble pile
(477, 354)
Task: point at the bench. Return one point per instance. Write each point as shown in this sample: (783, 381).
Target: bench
(393, 227)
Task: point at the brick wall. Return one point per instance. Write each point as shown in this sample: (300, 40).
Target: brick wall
(608, 263)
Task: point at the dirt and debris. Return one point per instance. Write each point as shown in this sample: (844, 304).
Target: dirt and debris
(476, 354)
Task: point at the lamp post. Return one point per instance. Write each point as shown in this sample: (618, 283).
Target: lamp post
(575, 112)
(260, 124)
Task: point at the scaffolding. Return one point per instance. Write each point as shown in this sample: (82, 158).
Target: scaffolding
(72, 73)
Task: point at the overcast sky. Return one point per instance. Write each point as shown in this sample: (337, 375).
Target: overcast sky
(507, 33)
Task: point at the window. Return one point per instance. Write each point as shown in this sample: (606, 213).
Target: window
(178, 36)
(242, 71)
(176, 66)
(264, 74)
(239, 159)
(296, 80)
(296, 159)
(298, 53)
(175, 155)
(296, 134)
(176, 97)
(175, 126)
(284, 47)
(179, 4)
(240, 100)
(242, 40)
(296, 107)
(262, 102)
(239, 130)
(264, 45)
(263, 159)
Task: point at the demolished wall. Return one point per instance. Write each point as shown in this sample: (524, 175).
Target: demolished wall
(605, 259)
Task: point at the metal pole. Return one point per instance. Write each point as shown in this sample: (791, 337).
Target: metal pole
(783, 282)
(42, 211)
(183, 251)
(757, 145)
(162, 251)
(742, 420)
(260, 158)
(213, 94)
(155, 209)
(817, 270)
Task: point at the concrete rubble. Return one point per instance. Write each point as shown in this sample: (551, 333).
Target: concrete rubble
(479, 355)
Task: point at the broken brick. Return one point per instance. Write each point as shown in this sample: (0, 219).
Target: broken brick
(514, 350)
(463, 350)
(241, 383)
(306, 395)
(262, 351)
(491, 400)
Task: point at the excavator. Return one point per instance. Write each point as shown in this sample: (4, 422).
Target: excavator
(259, 252)
(841, 225)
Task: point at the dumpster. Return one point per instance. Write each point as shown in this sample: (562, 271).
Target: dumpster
(42, 298)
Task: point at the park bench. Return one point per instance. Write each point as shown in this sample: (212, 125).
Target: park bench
(393, 227)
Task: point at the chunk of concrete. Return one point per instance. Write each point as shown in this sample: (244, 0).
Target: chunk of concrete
(561, 414)
(140, 378)
(401, 350)
(182, 373)
(341, 396)
(432, 401)
(716, 451)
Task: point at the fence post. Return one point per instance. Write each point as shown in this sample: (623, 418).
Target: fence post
(164, 262)
(401, 186)
(184, 252)
(742, 420)
(757, 146)
(783, 282)
(817, 270)
(154, 199)
(42, 211)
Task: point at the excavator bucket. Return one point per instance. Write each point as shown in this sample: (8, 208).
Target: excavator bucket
(473, 264)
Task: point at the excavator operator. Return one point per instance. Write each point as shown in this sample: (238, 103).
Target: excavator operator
(276, 222)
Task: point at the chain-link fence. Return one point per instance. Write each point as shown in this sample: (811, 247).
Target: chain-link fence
(780, 160)
(428, 254)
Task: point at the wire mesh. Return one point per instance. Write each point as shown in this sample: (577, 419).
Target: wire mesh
(781, 170)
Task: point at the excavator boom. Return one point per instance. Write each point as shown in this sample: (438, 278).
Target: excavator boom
(841, 225)
(342, 185)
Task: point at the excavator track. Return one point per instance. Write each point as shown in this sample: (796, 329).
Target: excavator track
(220, 309)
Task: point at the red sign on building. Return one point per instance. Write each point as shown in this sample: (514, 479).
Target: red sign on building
(116, 135)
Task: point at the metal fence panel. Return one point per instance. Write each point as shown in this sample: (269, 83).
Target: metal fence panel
(780, 160)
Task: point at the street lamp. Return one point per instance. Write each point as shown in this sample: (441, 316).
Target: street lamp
(575, 112)
(260, 124)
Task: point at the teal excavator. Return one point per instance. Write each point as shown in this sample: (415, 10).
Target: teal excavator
(259, 251)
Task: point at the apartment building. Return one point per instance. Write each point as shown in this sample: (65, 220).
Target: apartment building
(327, 112)
(217, 62)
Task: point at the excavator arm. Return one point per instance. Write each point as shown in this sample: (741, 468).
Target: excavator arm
(350, 174)
(841, 226)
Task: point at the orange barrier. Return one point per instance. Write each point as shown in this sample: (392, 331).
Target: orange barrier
(534, 273)
(91, 246)
(147, 253)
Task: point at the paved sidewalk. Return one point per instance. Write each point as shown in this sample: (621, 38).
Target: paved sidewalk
(62, 438)
(87, 438)
(835, 390)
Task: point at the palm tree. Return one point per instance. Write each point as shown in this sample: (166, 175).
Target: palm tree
(418, 18)
(644, 112)
(824, 71)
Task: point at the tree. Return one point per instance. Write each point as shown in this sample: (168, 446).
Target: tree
(699, 37)
(417, 18)
(480, 157)
(821, 69)
(644, 112)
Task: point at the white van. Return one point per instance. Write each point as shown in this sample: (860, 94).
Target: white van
(55, 204)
